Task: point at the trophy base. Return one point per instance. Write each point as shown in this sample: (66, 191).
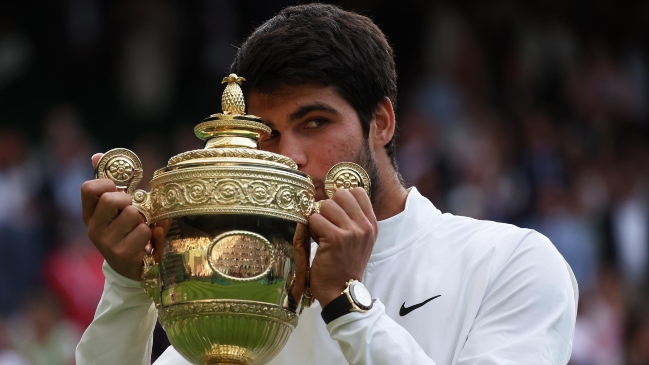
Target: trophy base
(210, 332)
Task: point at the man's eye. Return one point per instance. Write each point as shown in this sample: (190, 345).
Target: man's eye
(315, 123)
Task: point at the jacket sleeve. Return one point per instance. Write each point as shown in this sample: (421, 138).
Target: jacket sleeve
(373, 338)
(122, 330)
(528, 313)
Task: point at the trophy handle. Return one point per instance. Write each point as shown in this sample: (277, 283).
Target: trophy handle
(343, 175)
(346, 175)
(124, 168)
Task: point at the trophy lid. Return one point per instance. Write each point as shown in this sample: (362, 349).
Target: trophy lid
(230, 175)
(231, 136)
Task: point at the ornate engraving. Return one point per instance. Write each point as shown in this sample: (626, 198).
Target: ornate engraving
(120, 169)
(346, 175)
(175, 312)
(197, 191)
(231, 190)
(172, 196)
(261, 192)
(346, 180)
(240, 255)
(142, 202)
(233, 152)
(286, 198)
(122, 166)
(305, 202)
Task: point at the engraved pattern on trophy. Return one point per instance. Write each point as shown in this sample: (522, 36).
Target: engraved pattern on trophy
(346, 180)
(226, 306)
(233, 152)
(230, 190)
(119, 169)
(216, 122)
(122, 166)
(346, 175)
(240, 255)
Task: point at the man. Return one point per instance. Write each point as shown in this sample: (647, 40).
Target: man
(447, 289)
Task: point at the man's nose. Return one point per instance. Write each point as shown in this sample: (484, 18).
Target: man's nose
(290, 147)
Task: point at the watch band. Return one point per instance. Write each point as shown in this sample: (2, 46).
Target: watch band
(336, 308)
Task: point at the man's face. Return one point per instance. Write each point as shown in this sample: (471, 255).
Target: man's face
(315, 127)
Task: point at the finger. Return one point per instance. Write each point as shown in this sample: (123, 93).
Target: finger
(349, 203)
(315, 237)
(158, 233)
(126, 221)
(109, 206)
(301, 236)
(95, 159)
(334, 213)
(300, 243)
(321, 228)
(136, 240)
(91, 191)
(365, 204)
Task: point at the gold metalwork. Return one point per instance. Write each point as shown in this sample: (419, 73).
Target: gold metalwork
(219, 122)
(122, 166)
(240, 255)
(227, 307)
(221, 153)
(232, 100)
(150, 282)
(346, 175)
(227, 332)
(231, 190)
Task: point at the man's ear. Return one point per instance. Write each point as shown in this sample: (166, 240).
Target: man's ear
(383, 124)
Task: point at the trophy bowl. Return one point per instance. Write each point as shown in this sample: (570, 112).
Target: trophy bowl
(228, 287)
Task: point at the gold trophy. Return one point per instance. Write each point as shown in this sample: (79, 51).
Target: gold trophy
(228, 288)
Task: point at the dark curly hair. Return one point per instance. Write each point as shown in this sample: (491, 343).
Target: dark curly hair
(318, 43)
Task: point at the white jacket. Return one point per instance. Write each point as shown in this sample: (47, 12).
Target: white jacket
(503, 295)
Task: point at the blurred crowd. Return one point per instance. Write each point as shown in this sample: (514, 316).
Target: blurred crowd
(533, 114)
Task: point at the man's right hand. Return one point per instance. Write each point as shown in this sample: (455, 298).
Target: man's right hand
(115, 227)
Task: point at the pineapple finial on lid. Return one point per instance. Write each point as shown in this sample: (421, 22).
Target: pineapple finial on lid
(232, 100)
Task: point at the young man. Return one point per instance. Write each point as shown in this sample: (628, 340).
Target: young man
(448, 289)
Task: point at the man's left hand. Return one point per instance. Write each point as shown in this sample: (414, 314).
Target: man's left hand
(345, 230)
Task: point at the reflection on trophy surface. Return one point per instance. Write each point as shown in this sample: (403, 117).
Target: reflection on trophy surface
(230, 283)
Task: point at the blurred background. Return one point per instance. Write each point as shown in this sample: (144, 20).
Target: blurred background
(533, 113)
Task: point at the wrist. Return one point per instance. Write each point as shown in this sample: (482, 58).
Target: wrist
(354, 298)
(327, 296)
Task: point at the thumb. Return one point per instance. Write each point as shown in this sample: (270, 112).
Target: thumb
(95, 159)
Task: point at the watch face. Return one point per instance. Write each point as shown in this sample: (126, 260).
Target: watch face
(360, 294)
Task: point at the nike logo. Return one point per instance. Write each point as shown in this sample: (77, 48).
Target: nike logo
(405, 310)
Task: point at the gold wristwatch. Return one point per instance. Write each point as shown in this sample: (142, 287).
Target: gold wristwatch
(355, 298)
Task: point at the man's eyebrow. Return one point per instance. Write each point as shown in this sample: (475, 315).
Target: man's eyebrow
(306, 109)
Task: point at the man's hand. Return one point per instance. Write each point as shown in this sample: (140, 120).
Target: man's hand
(345, 230)
(115, 227)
